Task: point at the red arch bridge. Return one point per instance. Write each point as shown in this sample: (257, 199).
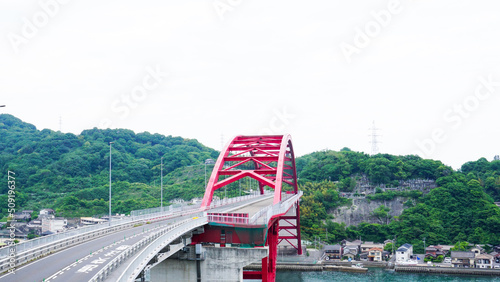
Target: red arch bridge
(208, 242)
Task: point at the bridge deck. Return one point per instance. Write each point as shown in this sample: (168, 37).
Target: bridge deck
(255, 207)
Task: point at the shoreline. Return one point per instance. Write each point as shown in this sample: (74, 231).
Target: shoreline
(306, 267)
(448, 270)
(347, 267)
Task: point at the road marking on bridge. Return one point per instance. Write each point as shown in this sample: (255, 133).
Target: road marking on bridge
(57, 274)
(99, 261)
(95, 263)
(86, 268)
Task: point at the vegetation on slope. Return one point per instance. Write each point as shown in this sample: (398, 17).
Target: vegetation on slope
(70, 173)
(460, 209)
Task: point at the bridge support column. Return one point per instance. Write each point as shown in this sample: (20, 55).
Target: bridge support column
(269, 263)
(217, 264)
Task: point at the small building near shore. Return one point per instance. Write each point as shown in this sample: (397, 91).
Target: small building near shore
(476, 249)
(483, 261)
(462, 259)
(350, 252)
(404, 253)
(366, 246)
(434, 251)
(333, 252)
(375, 254)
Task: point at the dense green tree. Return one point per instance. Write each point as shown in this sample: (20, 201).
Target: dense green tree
(51, 166)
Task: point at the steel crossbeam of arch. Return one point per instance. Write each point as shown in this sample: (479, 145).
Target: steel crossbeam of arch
(273, 164)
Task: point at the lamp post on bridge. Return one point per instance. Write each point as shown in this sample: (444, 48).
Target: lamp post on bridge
(109, 219)
(207, 161)
(161, 185)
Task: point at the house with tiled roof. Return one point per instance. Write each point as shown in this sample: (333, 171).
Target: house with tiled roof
(375, 254)
(483, 261)
(434, 251)
(404, 253)
(462, 259)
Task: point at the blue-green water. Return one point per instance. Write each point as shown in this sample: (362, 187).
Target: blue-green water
(373, 274)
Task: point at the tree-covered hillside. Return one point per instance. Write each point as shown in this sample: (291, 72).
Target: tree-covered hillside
(461, 208)
(381, 168)
(70, 173)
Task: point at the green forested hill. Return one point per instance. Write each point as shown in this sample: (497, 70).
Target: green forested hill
(461, 208)
(381, 168)
(70, 173)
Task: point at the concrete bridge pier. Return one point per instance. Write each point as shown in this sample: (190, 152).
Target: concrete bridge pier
(197, 263)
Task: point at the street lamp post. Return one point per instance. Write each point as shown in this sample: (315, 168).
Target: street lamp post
(110, 182)
(161, 189)
(207, 161)
(424, 247)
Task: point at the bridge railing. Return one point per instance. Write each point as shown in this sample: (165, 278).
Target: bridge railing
(140, 215)
(264, 215)
(167, 234)
(230, 218)
(60, 242)
(134, 216)
(39, 247)
(261, 217)
(135, 268)
(227, 201)
(117, 261)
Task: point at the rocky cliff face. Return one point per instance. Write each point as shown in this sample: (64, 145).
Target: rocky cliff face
(362, 209)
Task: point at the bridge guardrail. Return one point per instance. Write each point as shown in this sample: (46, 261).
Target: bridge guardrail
(28, 251)
(231, 218)
(112, 265)
(261, 217)
(40, 241)
(264, 215)
(39, 251)
(154, 243)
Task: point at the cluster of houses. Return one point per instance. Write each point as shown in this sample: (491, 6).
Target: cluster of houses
(45, 224)
(475, 257)
(357, 250)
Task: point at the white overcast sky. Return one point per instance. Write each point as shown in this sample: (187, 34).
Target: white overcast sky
(249, 67)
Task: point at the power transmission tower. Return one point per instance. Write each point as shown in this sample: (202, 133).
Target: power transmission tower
(373, 140)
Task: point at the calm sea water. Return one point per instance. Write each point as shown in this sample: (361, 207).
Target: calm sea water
(373, 274)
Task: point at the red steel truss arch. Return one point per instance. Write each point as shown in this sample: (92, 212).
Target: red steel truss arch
(271, 161)
(268, 159)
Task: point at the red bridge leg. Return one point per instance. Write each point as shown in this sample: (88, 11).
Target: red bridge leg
(299, 240)
(269, 263)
